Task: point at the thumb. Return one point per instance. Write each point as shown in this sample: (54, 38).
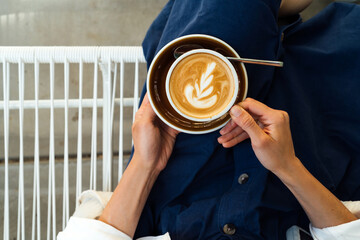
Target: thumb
(242, 118)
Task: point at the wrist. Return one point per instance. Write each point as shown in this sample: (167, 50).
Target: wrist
(289, 173)
(143, 166)
(127, 202)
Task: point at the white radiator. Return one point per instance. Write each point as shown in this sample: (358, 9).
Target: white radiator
(111, 61)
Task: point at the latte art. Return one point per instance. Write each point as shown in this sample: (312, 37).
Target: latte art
(200, 98)
(201, 85)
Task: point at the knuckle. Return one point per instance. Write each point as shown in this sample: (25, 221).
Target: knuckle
(230, 135)
(246, 121)
(261, 143)
(283, 117)
(138, 125)
(249, 99)
(233, 133)
(134, 128)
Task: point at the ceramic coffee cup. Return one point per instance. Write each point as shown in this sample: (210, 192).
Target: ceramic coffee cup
(156, 84)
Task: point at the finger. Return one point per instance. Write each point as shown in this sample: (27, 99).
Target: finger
(256, 108)
(236, 140)
(231, 125)
(145, 102)
(230, 135)
(145, 110)
(242, 118)
(228, 127)
(149, 110)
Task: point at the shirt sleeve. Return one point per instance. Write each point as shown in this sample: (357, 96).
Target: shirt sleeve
(88, 229)
(84, 226)
(346, 231)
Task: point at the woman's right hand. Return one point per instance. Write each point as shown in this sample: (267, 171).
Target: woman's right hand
(268, 129)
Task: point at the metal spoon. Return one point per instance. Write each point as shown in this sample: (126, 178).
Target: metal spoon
(187, 47)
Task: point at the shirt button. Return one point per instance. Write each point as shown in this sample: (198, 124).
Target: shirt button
(243, 178)
(229, 229)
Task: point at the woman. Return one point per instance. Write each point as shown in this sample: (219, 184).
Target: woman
(209, 191)
(271, 140)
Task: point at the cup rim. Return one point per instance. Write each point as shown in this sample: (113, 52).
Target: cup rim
(233, 72)
(152, 64)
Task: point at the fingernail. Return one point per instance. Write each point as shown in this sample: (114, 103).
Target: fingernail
(235, 111)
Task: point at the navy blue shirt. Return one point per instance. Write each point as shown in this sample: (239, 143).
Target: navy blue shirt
(199, 192)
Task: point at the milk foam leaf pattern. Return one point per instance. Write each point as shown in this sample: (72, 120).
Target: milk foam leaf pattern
(202, 91)
(206, 78)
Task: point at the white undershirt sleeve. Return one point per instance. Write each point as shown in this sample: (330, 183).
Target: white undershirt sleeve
(84, 226)
(346, 231)
(88, 229)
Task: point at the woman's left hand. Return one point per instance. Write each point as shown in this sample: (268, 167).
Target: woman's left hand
(153, 142)
(153, 139)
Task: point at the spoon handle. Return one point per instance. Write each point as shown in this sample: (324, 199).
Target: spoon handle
(258, 61)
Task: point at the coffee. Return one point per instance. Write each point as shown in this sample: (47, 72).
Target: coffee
(201, 85)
